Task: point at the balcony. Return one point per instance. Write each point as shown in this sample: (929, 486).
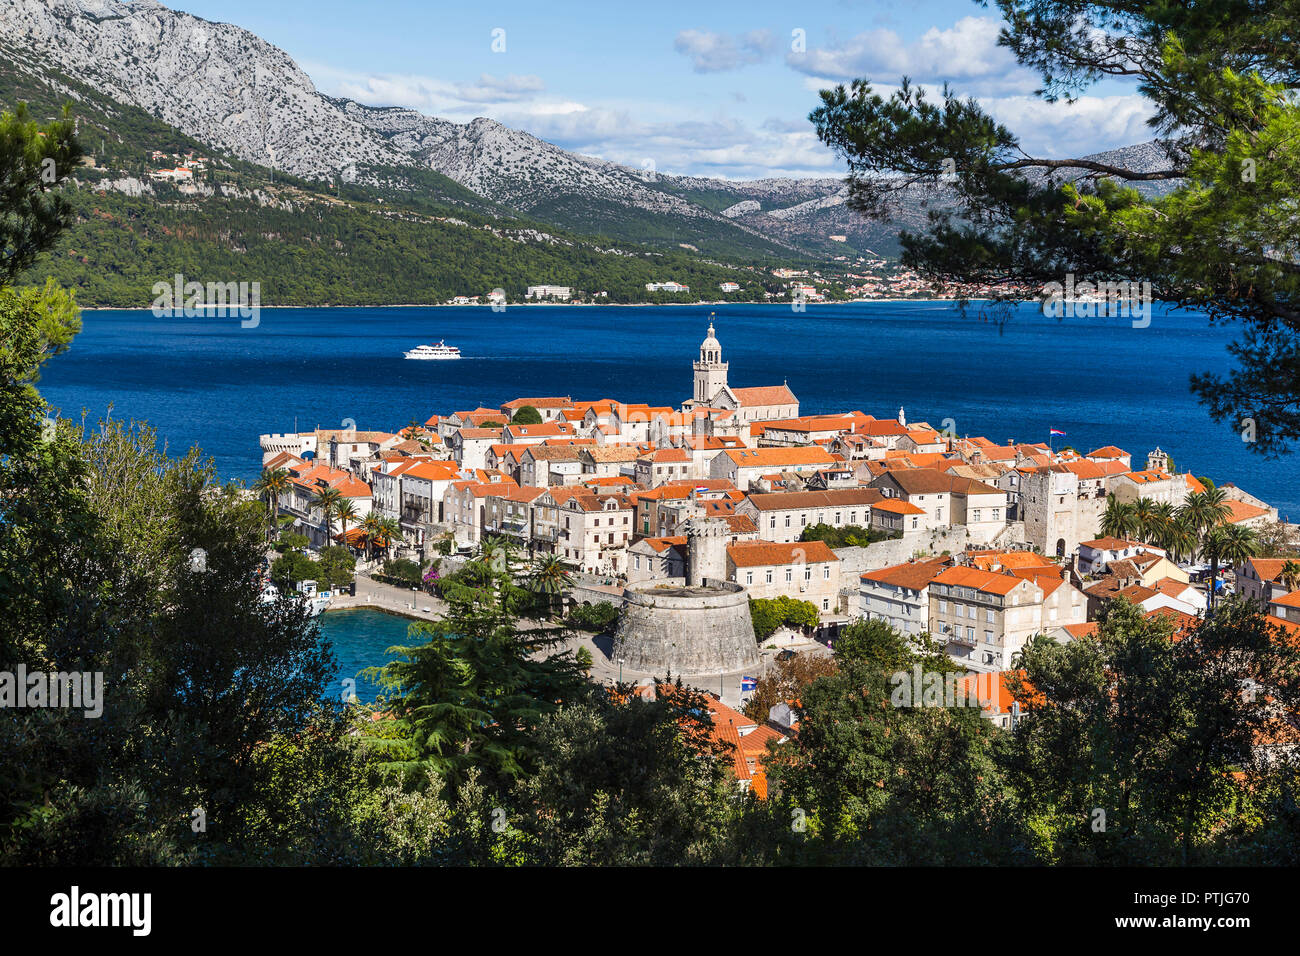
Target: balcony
(957, 638)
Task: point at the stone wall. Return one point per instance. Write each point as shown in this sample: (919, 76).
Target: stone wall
(685, 630)
(854, 562)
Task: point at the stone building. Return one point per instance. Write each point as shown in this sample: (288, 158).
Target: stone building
(783, 516)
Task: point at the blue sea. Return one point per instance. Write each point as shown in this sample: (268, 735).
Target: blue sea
(361, 639)
(209, 382)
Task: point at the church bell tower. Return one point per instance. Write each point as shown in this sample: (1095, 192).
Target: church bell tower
(710, 370)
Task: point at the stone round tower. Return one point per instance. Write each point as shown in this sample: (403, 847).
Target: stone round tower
(702, 628)
(706, 551)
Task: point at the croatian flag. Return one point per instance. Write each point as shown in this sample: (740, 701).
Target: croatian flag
(1057, 431)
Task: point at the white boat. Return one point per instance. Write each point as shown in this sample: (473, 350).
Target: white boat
(439, 351)
(315, 601)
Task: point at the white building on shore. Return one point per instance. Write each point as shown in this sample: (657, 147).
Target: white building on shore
(560, 293)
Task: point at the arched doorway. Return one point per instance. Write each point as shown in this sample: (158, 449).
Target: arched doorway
(1060, 547)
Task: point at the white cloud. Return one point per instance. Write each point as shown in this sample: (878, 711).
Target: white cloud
(1059, 130)
(427, 94)
(1090, 125)
(715, 52)
(701, 147)
(966, 54)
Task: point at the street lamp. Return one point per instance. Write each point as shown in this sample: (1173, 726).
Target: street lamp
(414, 593)
(620, 670)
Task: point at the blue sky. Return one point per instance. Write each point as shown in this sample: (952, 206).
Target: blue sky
(711, 89)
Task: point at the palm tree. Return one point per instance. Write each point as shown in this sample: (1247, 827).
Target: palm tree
(327, 499)
(492, 550)
(1206, 509)
(1290, 575)
(1230, 544)
(1146, 519)
(1180, 539)
(370, 525)
(345, 511)
(272, 483)
(391, 531)
(549, 577)
(1119, 520)
(1163, 517)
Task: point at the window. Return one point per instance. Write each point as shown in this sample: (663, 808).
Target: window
(826, 604)
(988, 637)
(769, 575)
(636, 562)
(772, 523)
(826, 573)
(837, 517)
(943, 607)
(807, 574)
(977, 515)
(789, 574)
(988, 615)
(787, 521)
(749, 577)
(970, 633)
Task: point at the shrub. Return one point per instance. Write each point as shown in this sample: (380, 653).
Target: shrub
(527, 415)
(597, 618)
(768, 614)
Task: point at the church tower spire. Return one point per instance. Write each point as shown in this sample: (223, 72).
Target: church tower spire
(710, 370)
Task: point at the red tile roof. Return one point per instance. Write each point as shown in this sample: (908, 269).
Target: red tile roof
(749, 554)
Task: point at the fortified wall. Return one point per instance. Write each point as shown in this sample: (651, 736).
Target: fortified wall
(686, 630)
(700, 627)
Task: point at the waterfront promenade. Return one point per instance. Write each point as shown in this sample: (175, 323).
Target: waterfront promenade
(387, 597)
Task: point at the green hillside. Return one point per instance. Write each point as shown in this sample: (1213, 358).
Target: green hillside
(417, 237)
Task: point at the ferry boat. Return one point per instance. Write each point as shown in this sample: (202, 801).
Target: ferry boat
(439, 351)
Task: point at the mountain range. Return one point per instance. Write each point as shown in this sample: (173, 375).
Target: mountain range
(246, 100)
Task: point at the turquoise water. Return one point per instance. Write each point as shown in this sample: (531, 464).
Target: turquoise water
(209, 382)
(361, 639)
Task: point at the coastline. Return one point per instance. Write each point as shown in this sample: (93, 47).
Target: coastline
(547, 305)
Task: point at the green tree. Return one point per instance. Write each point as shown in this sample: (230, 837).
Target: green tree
(549, 579)
(35, 160)
(1218, 79)
(881, 783)
(1230, 545)
(526, 415)
(345, 511)
(1205, 510)
(336, 567)
(598, 618)
(769, 614)
(1147, 730)
(327, 500)
(470, 694)
(272, 483)
(1120, 519)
